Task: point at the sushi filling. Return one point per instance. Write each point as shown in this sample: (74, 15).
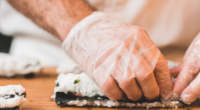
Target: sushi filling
(13, 95)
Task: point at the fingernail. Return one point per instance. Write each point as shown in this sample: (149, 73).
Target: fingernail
(167, 97)
(176, 96)
(185, 98)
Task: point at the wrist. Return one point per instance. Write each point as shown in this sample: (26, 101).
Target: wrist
(66, 19)
(55, 16)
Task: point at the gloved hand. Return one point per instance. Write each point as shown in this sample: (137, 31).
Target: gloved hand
(119, 57)
(187, 84)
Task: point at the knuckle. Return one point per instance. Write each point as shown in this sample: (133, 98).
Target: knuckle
(146, 77)
(139, 30)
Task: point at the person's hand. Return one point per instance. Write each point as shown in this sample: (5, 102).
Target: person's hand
(187, 84)
(120, 58)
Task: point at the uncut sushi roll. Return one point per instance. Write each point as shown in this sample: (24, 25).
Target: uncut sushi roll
(12, 97)
(80, 90)
(17, 65)
(68, 66)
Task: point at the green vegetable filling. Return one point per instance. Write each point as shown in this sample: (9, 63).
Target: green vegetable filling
(77, 81)
(96, 95)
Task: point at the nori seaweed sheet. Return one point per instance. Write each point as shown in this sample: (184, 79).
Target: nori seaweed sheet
(62, 98)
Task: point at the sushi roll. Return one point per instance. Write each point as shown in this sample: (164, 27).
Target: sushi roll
(74, 89)
(80, 90)
(69, 66)
(12, 97)
(15, 65)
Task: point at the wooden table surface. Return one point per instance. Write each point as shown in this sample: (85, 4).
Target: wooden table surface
(40, 89)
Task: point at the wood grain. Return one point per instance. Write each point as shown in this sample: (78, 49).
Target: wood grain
(40, 89)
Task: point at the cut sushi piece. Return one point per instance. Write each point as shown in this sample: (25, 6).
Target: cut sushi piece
(80, 90)
(14, 65)
(12, 97)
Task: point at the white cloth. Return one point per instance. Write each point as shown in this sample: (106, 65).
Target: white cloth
(168, 22)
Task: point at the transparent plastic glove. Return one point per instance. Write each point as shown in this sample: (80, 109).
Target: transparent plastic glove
(187, 84)
(119, 57)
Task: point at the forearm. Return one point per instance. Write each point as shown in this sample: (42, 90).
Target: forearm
(55, 16)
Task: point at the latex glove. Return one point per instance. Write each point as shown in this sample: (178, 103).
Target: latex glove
(187, 84)
(119, 57)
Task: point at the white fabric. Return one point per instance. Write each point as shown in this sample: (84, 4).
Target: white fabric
(168, 22)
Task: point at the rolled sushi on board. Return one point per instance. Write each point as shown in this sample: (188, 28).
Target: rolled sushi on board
(68, 66)
(17, 65)
(80, 90)
(12, 97)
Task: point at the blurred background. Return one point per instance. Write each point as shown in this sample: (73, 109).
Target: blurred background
(5, 43)
(172, 25)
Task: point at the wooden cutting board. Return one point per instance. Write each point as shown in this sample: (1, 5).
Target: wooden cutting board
(40, 89)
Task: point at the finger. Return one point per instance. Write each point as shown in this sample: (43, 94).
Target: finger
(175, 71)
(110, 88)
(192, 92)
(163, 78)
(130, 88)
(126, 80)
(188, 73)
(147, 81)
(190, 49)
